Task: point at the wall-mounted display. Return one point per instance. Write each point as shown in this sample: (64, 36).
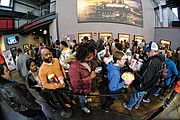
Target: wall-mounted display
(165, 43)
(82, 35)
(11, 40)
(9, 60)
(138, 38)
(124, 37)
(114, 11)
(105, 35)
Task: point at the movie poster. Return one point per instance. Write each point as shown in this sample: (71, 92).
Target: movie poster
(9, 60)
(114, 11)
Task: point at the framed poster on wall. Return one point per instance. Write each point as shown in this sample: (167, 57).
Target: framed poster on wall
(138, 38)
(105, 35)
(25, 46)
(165, 43)
(124, 37)
(82, 35)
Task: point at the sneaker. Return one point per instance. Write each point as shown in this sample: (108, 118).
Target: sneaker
(136, 107)
(167, 103)
(161, 97)
(86, 110)
(156, 94)
(125, 106)
(106, 110)
(147, 100)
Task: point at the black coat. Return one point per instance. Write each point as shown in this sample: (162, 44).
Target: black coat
(149, 73)
(17, 96)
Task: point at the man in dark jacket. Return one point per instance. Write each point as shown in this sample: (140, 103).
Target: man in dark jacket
(18, 97)
(147, 77)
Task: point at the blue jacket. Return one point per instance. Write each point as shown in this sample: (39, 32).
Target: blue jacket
(114, 77)
(172, 70)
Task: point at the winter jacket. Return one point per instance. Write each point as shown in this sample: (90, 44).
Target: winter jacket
(149, 73)
(17, 96)
(177, 87)
(172, 71)
(176, 59)
(114, 77)
(80, 78)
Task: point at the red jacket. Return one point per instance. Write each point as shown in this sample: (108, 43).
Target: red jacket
(177, 87)
(80, 78)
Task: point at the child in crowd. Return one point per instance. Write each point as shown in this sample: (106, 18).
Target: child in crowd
(33, 74)
(114, 76)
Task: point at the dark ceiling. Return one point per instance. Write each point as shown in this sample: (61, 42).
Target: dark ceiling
(34, 2)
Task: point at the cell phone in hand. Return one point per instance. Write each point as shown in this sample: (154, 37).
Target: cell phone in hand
(98, 69)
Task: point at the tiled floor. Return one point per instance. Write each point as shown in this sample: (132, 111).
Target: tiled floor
(118, 111)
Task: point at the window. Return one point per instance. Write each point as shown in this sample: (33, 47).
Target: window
(175, 11)
(5, 3)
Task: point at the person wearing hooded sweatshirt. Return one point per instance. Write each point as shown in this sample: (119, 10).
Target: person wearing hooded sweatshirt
(114, 77)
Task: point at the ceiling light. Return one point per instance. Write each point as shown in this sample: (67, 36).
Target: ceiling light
(45, 32)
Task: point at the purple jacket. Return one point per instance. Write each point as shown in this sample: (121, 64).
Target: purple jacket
(80, 78)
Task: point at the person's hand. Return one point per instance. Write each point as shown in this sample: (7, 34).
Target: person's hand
(61, 85)
(92, 75)
(128, 82)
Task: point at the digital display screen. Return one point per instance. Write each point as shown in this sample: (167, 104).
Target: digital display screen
(12, 40)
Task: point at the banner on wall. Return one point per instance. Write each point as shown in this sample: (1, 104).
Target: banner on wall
(115, 11)
(9, 60)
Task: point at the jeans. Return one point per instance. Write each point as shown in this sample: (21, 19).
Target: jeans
(135, 99)
(82, 100)
(151, 92)
(109, 101)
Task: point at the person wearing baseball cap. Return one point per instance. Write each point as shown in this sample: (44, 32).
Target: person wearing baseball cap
(147, 77)
(151, 49)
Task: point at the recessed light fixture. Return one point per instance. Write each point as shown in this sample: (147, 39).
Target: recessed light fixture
(40, 30)
(34, 32)
(45, 32)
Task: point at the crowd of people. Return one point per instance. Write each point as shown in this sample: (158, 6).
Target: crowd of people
(85, 66)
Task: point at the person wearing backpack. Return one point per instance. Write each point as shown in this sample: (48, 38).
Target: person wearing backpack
(147, 76)
(172, 74)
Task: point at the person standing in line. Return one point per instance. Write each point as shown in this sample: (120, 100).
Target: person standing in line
(147, 77)
(114, 76)
(18, 97)
(81, 74)
(21, 63)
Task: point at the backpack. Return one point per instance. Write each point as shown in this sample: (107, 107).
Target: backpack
(164, 71)
(144, 85)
